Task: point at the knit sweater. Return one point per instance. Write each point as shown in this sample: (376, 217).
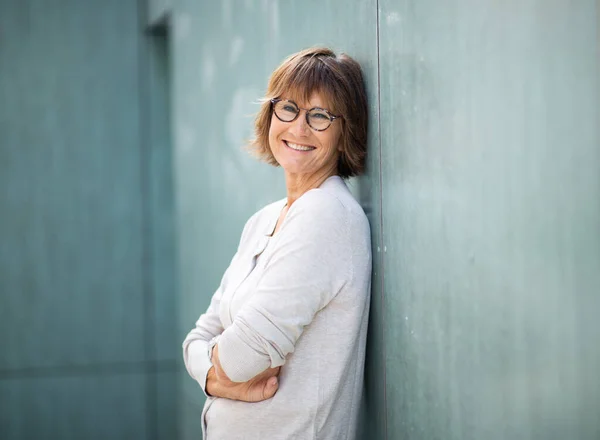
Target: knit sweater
(298, 299)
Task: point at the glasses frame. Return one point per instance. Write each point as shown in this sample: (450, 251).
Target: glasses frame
(331, 116)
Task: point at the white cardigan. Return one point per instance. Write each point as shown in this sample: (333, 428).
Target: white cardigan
(300, 300)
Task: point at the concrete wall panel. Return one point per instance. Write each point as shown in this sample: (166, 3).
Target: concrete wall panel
(491, 217)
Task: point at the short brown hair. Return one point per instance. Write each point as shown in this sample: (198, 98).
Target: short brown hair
(339, 79)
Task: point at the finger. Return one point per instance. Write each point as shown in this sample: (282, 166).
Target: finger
(270, 388)
(274, 371)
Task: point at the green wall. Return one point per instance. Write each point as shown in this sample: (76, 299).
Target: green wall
(87, 312)
(491, 219)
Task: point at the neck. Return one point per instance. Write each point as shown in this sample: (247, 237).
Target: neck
(298, 184)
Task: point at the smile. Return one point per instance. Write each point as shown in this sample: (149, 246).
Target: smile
(298, 147)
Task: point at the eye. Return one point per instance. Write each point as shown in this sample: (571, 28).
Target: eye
(320, 115)
(290, 108)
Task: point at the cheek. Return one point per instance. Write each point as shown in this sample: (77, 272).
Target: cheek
(274, 129)
(333, 141)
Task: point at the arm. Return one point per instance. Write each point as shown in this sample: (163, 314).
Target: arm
(196, 344)
(207, 371)
(309, 265)
(199, 341)
(261, 387)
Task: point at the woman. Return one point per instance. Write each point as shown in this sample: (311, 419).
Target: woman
(280, 350)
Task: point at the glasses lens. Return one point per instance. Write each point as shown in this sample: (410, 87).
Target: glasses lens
(319, 119)
(286, 111)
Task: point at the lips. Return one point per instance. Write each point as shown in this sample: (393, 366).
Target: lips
(298, 147)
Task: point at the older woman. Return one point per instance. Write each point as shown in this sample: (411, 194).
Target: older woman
(280, 350)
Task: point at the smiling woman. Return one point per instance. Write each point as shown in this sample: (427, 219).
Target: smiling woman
(305, 154)
(280, 350)
(338, 81)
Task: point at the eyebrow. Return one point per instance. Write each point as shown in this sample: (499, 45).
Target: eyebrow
(309, 108)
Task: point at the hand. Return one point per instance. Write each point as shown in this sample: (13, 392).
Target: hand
(261, 387)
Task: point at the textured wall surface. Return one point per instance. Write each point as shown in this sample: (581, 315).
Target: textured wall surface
(491, 219)
(86, 276)
(157, 10)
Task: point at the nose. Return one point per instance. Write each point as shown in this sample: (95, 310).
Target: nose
(300, 126)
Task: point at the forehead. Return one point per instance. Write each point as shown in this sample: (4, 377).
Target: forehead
(309, 99)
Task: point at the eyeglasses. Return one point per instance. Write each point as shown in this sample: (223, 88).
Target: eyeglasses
(317, 118)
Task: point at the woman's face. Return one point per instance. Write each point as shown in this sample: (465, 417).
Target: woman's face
(302, 151)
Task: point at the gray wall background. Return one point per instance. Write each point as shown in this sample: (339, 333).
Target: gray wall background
(124, 187)
(87, 275)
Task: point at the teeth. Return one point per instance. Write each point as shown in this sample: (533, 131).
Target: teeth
(299, 147)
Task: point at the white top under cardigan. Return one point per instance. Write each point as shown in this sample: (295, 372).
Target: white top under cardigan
(299, 300)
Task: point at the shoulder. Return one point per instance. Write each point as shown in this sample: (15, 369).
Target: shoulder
(334, 197)
(331, 205)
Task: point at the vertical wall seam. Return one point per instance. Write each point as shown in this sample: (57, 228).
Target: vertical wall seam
(382, 268)
(143, 66)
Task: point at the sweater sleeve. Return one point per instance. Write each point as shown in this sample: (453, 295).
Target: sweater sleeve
(310, 263)
(207, 330)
